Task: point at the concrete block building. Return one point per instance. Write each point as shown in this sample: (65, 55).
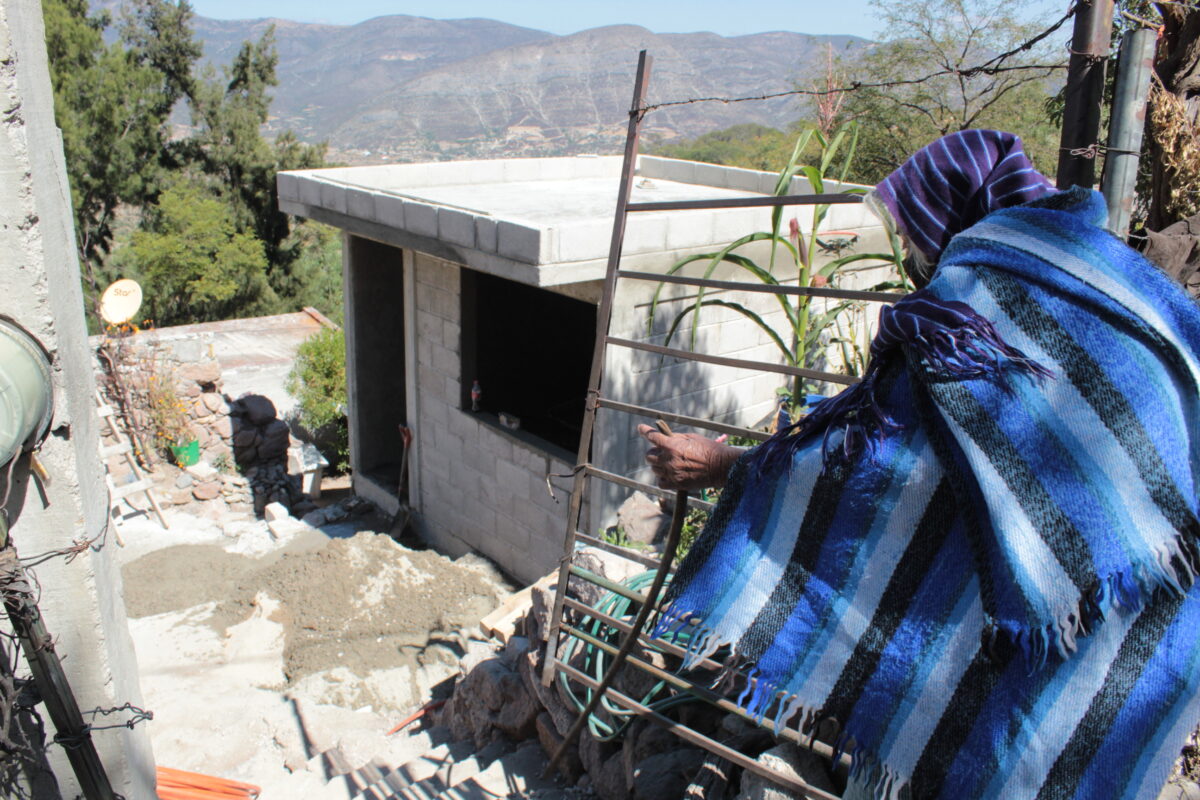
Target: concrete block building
(489, 273)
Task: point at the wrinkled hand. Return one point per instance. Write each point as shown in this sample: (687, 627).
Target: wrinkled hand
(686, 460)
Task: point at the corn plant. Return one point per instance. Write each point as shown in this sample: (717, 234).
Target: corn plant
(801, 340)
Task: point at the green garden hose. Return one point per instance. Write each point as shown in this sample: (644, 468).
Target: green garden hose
(596, 663)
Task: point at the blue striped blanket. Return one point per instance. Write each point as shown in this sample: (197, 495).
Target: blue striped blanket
(980, 561)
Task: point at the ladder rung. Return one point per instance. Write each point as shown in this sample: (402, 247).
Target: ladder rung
(695, 422)
(698, 739)
(764, 288)
(618, 550)
(648, 488)
(682, 683)
(126, 489)
(116, 449)
(760, 366)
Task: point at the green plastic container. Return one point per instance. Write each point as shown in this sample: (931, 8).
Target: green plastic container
(186, 455)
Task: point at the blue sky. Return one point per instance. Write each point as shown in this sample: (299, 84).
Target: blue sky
(726, 17)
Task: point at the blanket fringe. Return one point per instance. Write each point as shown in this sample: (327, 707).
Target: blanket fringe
(760, 697)
(1174, 569)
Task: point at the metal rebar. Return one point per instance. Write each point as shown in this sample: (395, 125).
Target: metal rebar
(603, 318)
(760, 366)
(700, 740)
(1134, 69)
(765, 288)
(748, 202)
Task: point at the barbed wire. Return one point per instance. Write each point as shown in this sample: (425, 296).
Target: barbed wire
(992, 66)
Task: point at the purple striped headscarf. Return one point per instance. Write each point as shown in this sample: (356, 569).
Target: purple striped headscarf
(951, 184)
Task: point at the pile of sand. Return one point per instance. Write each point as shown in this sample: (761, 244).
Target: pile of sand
(356, 605)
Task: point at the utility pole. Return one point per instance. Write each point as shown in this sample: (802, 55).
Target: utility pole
(1085, 93)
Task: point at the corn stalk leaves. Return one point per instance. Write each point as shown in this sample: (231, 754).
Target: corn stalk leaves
(738, 307)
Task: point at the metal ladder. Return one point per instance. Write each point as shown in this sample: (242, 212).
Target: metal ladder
(585, 470)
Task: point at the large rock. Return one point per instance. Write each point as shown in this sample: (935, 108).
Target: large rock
(632, 681)
(274, 440)
(666, 774)
(642, 519)
(547, 696)
(259, 410)
(246, 437)
(205, 373)
(570, 767)
(491, 702)
(792, 761)
(610, 782)
(209, 490)
(606, 565)
(275, 511)
(644, 739)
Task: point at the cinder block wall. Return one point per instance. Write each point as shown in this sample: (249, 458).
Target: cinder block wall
(481, 488)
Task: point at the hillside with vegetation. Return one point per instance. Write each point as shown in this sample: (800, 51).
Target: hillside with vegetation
(194, 216)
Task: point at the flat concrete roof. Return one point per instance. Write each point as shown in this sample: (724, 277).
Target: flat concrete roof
(542, 221)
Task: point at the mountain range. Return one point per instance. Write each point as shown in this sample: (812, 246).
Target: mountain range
(403, 88)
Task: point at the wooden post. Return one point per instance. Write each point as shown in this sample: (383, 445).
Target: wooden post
(1085, 94)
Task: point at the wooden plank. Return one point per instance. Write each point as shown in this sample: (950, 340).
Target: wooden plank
(502, 622)
(124, 490)
(116, 449)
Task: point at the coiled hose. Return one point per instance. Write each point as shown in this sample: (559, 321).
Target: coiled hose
(596, 662)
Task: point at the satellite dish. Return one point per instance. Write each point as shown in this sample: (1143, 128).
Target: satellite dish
(120, 301)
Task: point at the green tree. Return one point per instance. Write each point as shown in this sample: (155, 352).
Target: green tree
(229, 149)
(318, 382)
(111, 102)
(194, 263)
(950, 36)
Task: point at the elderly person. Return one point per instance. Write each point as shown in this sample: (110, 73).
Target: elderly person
(980, 561)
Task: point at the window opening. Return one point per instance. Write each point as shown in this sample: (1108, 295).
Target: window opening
(529, 349)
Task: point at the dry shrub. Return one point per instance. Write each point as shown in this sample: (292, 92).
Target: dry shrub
(1178, 138)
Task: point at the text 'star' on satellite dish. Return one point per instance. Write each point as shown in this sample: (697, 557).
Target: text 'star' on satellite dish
(120, 301)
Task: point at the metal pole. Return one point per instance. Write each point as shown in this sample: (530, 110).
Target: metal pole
(1085, 92)
(1128, 123)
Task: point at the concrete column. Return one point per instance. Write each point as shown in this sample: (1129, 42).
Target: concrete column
(81, 601)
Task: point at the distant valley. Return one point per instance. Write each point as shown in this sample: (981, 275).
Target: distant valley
(401, 88)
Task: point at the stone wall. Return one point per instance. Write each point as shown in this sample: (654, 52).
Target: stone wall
(244, 446)
(193, 373)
